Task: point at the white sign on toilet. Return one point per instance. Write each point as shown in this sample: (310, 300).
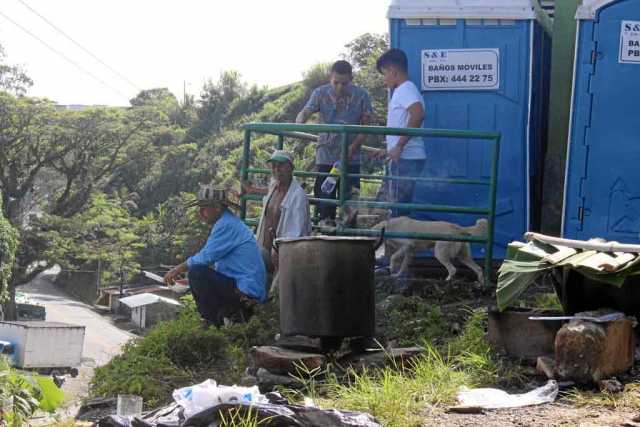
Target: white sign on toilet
(629, 42)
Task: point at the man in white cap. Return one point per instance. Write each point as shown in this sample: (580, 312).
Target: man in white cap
(285, 211)
(229, 265)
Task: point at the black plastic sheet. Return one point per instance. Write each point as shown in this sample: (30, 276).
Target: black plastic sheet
(275, 414)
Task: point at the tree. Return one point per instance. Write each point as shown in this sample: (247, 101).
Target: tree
(8, 248)
(27, 145)
(214, 105)
(103, 230)
(363, 53)
(13, 78)
(99, 142)
(365, 49)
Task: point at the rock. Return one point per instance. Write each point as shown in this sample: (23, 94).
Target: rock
(587, 351)
(611, 385)
(248, 381)
(465, 409)
(546, 366)
(283, 361)
(268, 380)
(379, 359)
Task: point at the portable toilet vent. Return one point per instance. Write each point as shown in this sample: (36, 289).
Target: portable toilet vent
(602, 195)
(481, 65)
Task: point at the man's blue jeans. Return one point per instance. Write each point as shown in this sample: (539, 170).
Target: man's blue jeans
(401, 191)
(215, 294)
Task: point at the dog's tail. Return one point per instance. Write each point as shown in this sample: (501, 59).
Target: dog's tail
(478, 229)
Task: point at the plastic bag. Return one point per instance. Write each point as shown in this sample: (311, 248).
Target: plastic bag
(207, 394)
(492, 398)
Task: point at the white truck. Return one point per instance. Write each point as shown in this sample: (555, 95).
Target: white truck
(46, 347)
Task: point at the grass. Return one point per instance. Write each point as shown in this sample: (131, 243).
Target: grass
(628, 399)
(400, 395)
(180, 353)
(241, 417)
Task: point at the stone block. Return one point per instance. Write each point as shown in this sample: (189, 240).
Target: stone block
(589, 352)
(268, 381)
(283, 361)
(380, 359)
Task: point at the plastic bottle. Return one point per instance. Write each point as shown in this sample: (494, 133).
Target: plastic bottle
(329, 184)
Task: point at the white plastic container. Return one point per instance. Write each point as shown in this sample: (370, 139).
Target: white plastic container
(44, 344)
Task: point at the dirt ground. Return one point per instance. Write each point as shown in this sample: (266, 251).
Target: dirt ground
(455, 299)
(550, 415)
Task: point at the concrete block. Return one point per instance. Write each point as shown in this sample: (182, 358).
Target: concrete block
(282, 361)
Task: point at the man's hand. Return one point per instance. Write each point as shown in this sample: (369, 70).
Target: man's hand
(395, 153)
(170, 277)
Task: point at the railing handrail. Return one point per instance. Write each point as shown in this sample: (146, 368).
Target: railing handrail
(279, 128)
(302, 131)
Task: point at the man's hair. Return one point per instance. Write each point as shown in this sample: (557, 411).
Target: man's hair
(342, 67)
(395, 58)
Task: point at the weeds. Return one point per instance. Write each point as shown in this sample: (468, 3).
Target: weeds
(181, 352)
(241, 417)
(411, 320)
(628, 399)
(400, 394)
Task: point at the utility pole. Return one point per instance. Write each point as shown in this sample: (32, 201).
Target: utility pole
(562, 57)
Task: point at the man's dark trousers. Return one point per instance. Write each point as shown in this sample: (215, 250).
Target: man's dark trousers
(215, 294)
(328, 211)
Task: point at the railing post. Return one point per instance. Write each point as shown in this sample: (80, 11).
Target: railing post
(344, 171)
(280, 142)
(488, 260)
(246, 152)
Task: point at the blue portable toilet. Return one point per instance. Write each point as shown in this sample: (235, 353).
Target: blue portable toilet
(481, 65)
(602, 191)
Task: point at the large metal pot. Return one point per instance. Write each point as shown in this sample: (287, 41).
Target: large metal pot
(326, 286)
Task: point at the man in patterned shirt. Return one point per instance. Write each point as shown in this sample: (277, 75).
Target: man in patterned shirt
(338, 102)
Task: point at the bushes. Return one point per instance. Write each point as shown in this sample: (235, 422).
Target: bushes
(181, 352)
(21, 395)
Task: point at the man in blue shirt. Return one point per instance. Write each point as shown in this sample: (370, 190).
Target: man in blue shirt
(338, 102)
(228, 266)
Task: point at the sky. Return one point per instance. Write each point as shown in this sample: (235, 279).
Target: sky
(176, 44)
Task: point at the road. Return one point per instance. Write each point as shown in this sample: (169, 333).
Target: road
(102, 339)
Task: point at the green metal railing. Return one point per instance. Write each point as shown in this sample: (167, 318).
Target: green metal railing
(301, 131)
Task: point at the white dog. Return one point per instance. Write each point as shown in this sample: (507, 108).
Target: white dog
(404, 250)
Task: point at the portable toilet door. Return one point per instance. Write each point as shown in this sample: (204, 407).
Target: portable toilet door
(479, 65)
(602, 195)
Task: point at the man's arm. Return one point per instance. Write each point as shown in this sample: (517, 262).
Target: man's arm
(312, 106)
(170, 277)
(416, 116)
(219, 244)
(303, 115)
(361, 137)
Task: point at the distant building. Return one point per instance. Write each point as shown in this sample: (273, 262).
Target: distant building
(110, 296)
(148, 309)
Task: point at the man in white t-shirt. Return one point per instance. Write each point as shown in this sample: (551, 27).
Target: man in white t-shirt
(406, 110)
